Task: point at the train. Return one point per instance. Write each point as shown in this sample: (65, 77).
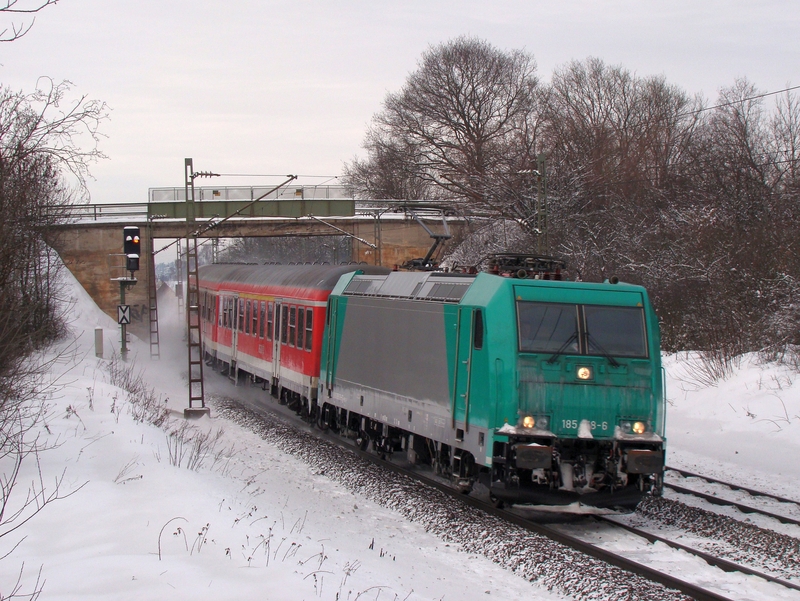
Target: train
(541, 390)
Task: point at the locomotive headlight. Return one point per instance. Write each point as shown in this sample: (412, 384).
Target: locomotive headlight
(584, 373)
(633, 427)
(528, 421)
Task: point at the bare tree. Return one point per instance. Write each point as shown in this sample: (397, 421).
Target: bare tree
(464, 123)
(17, 7)
(390, 172)
(43, 168)
(39, 133)
(645, 181)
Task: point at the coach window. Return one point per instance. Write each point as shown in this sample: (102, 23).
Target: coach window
(270, 309)
(247, 319)
(255, 318)
(309, 315)
(292, 322)
(241, 315)
(284, 323)
(301, 329)
(261, 319)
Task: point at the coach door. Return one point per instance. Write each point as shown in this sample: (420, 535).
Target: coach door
(237, 307)
(276, 340)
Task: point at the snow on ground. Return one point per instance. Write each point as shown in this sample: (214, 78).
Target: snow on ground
(253, 522)
(250, 523)
(744, 429)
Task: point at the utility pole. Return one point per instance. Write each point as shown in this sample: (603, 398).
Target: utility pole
(197, 404)
(542, 241)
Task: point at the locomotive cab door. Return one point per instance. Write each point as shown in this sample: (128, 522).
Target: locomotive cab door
(463, 368)
(330, 318)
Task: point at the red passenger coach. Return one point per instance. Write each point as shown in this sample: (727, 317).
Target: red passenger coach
(268, 321)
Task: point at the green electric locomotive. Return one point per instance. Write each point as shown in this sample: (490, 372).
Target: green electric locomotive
(546, 391)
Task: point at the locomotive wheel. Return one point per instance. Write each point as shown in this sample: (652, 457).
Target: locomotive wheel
(323, 417)
(497, 503)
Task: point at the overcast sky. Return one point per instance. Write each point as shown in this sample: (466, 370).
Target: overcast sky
(278, 87)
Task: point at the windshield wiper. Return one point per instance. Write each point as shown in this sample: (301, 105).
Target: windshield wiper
(563, 347)
(603, 352)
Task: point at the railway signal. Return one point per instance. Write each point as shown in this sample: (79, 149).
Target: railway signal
(131, 246)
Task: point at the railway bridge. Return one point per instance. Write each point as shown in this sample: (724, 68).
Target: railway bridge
(382, 232)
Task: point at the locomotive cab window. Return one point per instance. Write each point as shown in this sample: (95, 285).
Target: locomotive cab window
(561, 328)
(548, 327)
(616, 331)
(477, 330)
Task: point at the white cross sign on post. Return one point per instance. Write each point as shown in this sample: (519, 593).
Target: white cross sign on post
(123, 315)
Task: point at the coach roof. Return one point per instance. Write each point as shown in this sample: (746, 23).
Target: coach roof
(307, 277)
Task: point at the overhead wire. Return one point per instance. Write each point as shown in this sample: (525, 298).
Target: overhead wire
(722, 105)
(732, 102)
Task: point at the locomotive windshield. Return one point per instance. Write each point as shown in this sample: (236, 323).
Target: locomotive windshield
(562, 328)
(616, 331)
(548, 327)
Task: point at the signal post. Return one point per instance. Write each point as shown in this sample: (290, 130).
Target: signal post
(131, 246)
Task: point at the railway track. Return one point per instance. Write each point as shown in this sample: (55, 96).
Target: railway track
(712, 560)
(721, 501)
(554, 533)
(616, 559)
